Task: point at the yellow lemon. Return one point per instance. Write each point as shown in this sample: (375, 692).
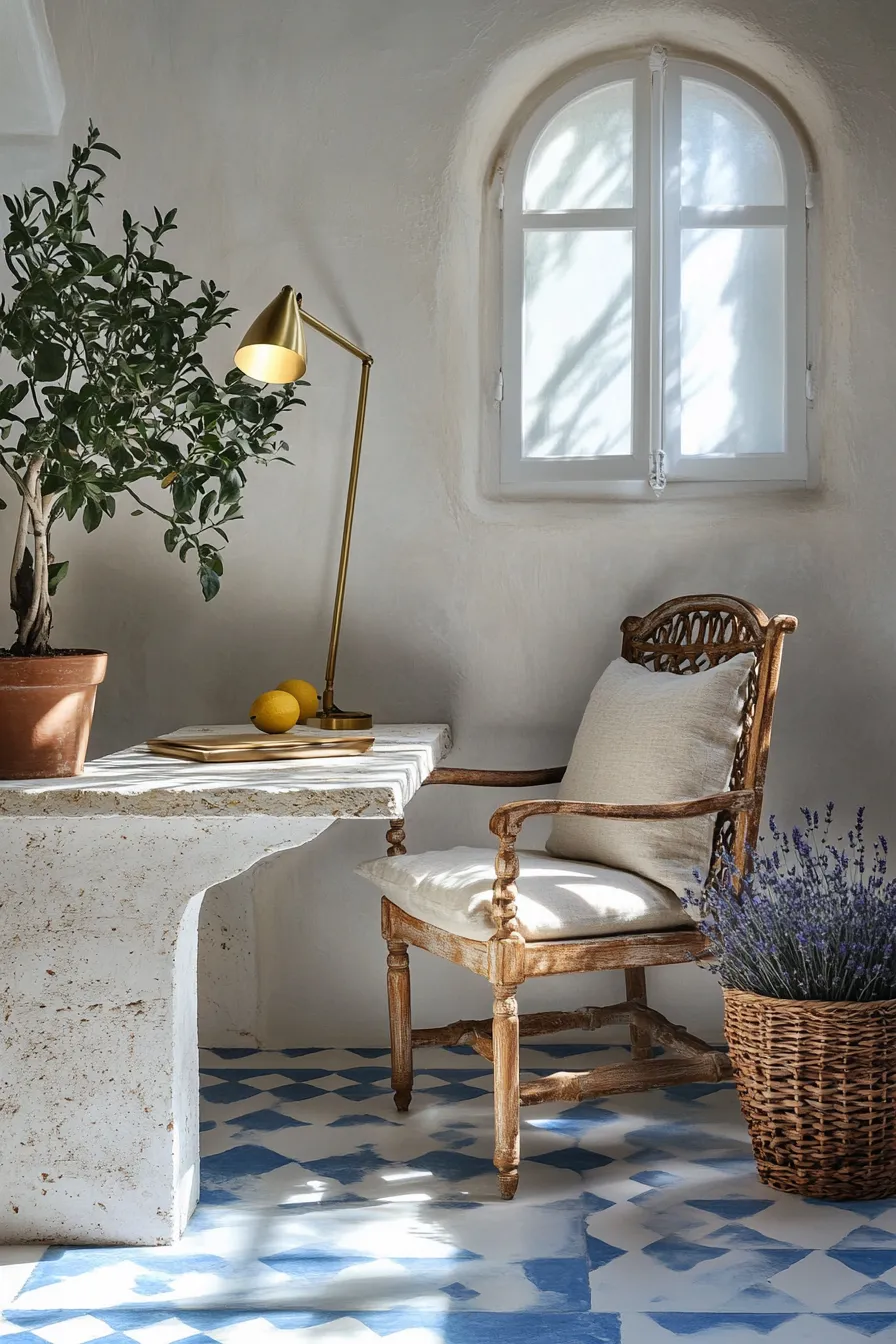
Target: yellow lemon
(275, 712)
(305, 693)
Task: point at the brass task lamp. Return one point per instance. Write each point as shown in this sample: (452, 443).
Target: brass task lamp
(273, 351)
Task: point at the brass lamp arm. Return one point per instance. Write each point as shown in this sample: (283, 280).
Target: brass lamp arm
(332, 335)
(329, 709)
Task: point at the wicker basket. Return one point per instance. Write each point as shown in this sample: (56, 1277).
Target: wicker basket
(817, 1086)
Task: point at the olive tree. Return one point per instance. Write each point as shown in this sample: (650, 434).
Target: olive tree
(104, 387)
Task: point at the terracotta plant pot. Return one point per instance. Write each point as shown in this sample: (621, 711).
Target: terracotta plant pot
(817, 1087)
(46, 709)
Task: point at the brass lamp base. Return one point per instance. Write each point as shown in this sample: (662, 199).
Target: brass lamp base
(341, 720)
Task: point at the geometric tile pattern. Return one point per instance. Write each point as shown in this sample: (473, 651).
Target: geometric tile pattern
(327, 1218)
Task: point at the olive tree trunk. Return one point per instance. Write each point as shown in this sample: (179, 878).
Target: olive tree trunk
(29, 580)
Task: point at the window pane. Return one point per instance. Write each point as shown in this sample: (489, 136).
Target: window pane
(577, 343)
(583, 158)
(728, 155)
(732, 341)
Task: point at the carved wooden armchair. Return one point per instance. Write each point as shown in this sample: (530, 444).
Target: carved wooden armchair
(686, 635)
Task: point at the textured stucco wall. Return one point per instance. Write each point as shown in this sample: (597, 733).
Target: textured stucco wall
(344, 147)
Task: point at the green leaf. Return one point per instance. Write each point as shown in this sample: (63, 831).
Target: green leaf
(55, 574)
(2, 504)
(50, 363)
(230, 488)
(171, 537)
(209, 582)
(106, 149)
(92, 515)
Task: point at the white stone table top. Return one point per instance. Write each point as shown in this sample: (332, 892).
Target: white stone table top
(137, 783)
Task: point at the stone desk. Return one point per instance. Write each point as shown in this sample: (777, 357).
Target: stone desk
(102, 881)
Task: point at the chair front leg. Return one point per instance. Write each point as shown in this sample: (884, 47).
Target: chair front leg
(398, 985)
(636, 992)
(506, 1045)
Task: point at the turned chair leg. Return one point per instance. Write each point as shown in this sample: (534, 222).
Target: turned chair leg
(636, 992)
(398, 985)
(506, 1045)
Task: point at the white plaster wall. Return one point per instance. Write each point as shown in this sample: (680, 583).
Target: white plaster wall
(343, 147)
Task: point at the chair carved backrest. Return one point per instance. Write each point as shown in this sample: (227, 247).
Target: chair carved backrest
(690, 634)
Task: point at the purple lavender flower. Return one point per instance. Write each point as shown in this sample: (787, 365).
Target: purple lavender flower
(810, 919)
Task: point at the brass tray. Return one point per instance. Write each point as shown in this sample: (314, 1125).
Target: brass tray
(260, 747)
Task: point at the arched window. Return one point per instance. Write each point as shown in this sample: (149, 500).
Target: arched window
(654, 311)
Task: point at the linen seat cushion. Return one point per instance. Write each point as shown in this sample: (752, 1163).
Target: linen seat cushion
(557, 898)
(653, 737)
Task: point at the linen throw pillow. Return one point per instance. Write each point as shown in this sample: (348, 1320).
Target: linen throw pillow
(652, 737)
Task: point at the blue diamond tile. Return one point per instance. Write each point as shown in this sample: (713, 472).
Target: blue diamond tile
(248, 1159)
(362, 1091)
(872, 1297)
(573, 1159)
(735, 1234)
(222, 1094)
(865, 1236)
(250, 1075)
(455, 1092)
(657, 1179)
(600, 1253)
(687, 1092)
(458, 1292)
(568, 1051)
(296, 1091)
(347, 1121)
(685, 1323)
(869, 1260)
(866, 1208)
(732, 1209)
(451, 1166)
(578, 1120)
(681, 1255)
(348, 1168)
(265, 1120)
(868, 1324)
(366, 1073)
(566, 1280)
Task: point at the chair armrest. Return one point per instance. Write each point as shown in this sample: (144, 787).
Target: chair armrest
(507, 820)
(496, 779)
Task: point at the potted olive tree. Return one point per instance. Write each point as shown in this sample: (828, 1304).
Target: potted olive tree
(104, 394)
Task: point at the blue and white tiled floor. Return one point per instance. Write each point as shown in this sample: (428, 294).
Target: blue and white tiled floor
(326, 1218)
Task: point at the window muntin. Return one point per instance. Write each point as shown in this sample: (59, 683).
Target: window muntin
(654, 284)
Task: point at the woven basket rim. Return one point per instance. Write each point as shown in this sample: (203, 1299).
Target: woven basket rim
(822, 1005)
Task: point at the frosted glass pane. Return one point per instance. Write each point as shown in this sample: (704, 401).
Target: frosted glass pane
(728, 154)
(583, 158)
(732, 341)
(577, 343)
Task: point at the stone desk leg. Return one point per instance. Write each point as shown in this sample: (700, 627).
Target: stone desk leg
(99, 1129)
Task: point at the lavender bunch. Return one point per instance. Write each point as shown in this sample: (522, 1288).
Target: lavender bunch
(812, 919)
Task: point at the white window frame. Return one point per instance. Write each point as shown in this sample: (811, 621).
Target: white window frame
(656, 219)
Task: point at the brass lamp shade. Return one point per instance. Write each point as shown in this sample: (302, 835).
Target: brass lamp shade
(273, 349)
